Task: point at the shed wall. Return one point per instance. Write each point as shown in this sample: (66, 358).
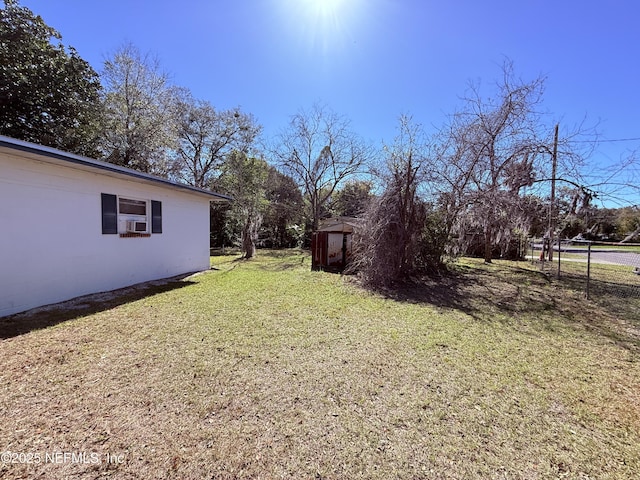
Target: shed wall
(331, 250)
(51, 242)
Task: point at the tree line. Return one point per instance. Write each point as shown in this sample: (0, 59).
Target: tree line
(479, 184)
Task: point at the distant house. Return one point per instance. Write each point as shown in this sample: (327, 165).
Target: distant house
(331, 244)
(70, 226)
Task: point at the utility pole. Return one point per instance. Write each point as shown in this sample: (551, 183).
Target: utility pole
(552, 219)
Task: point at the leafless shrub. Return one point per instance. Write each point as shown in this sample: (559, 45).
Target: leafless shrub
(400, 236)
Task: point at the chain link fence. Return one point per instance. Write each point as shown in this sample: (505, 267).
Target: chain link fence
(600, 269)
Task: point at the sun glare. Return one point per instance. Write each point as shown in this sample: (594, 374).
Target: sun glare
(325, 27)
(325, 23)
(325, 8)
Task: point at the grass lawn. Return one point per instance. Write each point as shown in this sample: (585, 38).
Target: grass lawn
(616, 288)
(264, 369)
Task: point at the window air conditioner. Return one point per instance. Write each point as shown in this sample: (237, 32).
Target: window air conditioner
(135, 226)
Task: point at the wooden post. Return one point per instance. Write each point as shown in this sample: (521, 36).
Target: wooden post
(559, 250)
(588, 268)
(554, 167)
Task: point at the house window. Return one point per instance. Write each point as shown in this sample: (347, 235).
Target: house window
(130, 217)
(128, 206)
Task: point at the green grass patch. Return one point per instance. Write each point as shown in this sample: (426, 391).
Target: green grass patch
(265, 369)
(614, 288)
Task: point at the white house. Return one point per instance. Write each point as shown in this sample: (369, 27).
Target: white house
(71, 225)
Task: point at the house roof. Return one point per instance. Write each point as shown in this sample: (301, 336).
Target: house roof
(53, 155)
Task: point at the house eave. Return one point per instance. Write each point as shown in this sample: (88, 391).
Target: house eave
(77, 161)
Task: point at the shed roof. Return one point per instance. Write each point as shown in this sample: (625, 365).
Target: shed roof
(338, 224)
(52, 155)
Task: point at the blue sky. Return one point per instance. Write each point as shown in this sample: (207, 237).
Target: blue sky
(372, 60)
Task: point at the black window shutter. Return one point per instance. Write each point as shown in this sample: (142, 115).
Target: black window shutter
(109, 214)
(156, 216)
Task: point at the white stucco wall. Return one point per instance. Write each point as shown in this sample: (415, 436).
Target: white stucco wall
(51, 242)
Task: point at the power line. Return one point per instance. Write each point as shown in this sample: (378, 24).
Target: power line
(612, 140)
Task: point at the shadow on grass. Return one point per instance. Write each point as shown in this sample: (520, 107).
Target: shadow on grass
(617, 297)
(602, 288)
(50, 315)
(287, 264)
(477, 292)
(286, 259)
(224, 252)
(277, 259)
(510, 293)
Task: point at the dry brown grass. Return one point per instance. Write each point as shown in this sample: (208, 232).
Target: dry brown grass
(264, 369)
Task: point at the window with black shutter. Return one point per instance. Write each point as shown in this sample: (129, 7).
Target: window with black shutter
(156, 216)
(109, 214)
(130, 217)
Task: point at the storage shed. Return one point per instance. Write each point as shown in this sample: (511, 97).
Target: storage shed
(331, 244)
(71, 226)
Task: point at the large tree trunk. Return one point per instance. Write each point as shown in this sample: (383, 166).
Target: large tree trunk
(249, 247)
(488, 246)
(250, 233)
(248, 243)
(315, 207)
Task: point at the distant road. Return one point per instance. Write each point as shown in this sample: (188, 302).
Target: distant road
(609, 255)
(612, 256)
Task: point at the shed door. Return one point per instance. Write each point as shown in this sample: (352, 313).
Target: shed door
(318, 250)
(334, 249)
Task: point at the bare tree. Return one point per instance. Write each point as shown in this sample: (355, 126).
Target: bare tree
(140, 114)
(491, 151)
(617, 183)
(320, 151)
(389, 247)
(498, 152)
(207, 136)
